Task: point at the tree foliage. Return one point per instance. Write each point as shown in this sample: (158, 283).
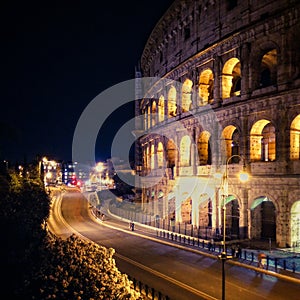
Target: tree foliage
(38, 265)
(76, 269)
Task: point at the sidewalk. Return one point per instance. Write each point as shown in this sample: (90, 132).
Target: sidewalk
(284, 264)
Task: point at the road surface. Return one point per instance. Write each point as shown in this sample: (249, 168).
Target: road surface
(178, 273)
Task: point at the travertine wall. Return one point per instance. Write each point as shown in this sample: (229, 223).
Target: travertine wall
(239, 60)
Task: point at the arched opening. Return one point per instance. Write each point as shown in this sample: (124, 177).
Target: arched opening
(186, 97)
(204, 149)
(236, 81)
(232, 217)
(268, 143)
(268, 69)
(186, 211)
(231, 138)
(295, 139)
(295, 224)
(152, 156)
(160, 155)
(172, 106)
(263, 219)
(185, 151)
(262, 141)
(160, 204)
(171, 154)
(205, 216)
(147, 159)
(148, 117)
(144, 113)
(153, 113)
(161, 109)
(206, 87)
(231, 78)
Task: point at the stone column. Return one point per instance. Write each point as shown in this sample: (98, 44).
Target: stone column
(282, 221)
(217, 80)
(245, 83)
(244, 217)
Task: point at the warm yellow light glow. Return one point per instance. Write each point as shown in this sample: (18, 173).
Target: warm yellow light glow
(244, 176)
(49, 175)
(99, 167)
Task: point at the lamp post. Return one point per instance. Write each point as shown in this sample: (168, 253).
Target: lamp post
(224, 186)
(100, 168)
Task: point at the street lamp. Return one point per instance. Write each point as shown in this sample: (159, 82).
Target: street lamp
(243, 178)
(99, 169)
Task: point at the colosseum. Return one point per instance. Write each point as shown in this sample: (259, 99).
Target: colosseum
(224, 99)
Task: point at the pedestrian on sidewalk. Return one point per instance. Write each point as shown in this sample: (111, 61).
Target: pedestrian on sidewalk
(239, 251)
(131, 226)
(232, 250)
(261, 257)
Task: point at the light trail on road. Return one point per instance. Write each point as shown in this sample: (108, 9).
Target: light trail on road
(164, 265)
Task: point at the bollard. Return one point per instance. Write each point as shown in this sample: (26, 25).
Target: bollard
(294, 267)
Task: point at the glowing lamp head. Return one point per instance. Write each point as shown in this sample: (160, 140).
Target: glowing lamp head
(244, 176)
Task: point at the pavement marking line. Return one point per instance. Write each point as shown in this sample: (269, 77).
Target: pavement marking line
(232, 262)
(165, 277)
(141, 266)
(284, 277)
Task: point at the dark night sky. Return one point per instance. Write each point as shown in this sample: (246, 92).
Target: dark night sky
(56, 56)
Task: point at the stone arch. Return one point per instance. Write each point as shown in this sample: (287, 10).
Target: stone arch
(231, 78)
(264, 62)
(231, 137)
(152, 157)
(148, 116)
(232, 217)
(206, 87)
(185, 151)
(186, 210)
(205, 210)
(172, 106)
(160, 204)
(171, 154)
(147, 157)
(263, 218)
(262, 141)
(268, 68)
(160, 155)
(186, 96)
(204, 148)
(161, 109)
(153, 113)
(295, 139)
(295, 224)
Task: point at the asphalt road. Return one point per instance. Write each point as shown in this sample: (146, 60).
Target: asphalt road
(178, 273)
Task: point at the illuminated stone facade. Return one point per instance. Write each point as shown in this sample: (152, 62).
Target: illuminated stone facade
(230, 87)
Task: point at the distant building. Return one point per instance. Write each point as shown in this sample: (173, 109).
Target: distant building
(68, 173)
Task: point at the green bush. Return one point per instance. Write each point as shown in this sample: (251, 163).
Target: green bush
(37, 265)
